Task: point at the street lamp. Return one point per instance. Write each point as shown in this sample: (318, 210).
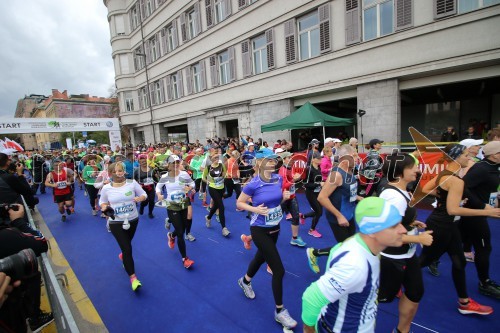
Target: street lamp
(361, 113)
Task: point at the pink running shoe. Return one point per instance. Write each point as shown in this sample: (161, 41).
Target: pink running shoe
(314, 233)
(302, 219)
(247, 241)
(288, 216)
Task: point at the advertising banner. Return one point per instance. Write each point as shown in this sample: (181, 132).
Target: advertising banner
(44, 125)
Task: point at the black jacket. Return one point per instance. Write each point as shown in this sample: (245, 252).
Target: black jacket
(481, 180)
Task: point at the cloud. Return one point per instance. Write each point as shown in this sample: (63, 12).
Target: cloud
(53, 44)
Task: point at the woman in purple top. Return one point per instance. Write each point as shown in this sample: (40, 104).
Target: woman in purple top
(265, 191)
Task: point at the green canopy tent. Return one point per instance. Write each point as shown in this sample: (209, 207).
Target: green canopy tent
(307, 116)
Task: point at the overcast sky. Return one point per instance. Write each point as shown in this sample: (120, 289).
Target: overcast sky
(53, 44)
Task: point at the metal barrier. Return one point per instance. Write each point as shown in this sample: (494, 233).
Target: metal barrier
(62, 314)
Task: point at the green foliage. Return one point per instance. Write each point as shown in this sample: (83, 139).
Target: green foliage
(101, 137)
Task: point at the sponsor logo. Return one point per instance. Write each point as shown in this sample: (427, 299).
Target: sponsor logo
(54, 124)
(109, 123)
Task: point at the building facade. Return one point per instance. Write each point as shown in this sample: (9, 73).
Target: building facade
(26, 108)
(196, 69)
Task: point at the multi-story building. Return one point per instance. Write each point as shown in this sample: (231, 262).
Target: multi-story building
(226, 67)
(60, 105)
(26, 108)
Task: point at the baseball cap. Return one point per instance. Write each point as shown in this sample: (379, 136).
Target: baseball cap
(352, 140)
(374, 214)
(279, 150)
(471, 142)
(491, 148)
(250, 144)
(373, 142)
(336, 140)
(265, 153)
(316, 154)
(314, 141)
(106, 158)
(327, 140)
(284, 154)
(173, 158)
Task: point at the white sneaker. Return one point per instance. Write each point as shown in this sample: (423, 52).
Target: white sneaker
(225, 232)
(107, 226)
(208, 223)
(247, 289)
(94, 212)
(190, 237)
(167, 224)
(285, 319)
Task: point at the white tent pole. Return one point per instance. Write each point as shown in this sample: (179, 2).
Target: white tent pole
(324, 137)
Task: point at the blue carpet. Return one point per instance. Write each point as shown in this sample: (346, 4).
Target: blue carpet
(207, 298)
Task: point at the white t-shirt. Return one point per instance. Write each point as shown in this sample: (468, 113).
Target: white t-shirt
(174, 186)
(121, 199)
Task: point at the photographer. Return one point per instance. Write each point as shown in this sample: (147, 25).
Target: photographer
(24, 302)
(11, 186)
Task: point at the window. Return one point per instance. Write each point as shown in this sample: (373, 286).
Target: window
(244, 3)
(124, 67)
(195, 76)
(157, 92)
(223, 67)
(217, 11)
(308, 36)
(119, 25)
(259, 53)
(129, 101)
(174, 86)
(154, 48)
(143, 98)
(465, 6)
(191, 24)
(139, 59)
(378, 18)
(171, 37)
(196, 70)
(149, 7)
(134, 17)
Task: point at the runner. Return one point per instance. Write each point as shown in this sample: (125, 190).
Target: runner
(449, 191)
(146, 176)
(89, 174)
(176, 183)
(348, 290)
(60, 180)
(119, 202)
(313, 185)
(213, 175)
(265, 190)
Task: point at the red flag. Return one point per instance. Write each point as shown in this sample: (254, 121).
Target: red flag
(13, 144)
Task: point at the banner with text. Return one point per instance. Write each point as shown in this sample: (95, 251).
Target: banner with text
(44, 125)
(115, 139)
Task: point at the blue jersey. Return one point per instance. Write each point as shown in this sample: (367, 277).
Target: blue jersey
(269, 194)
(344, 197)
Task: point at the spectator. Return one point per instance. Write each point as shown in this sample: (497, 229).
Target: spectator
(449, 135)
(471, 134)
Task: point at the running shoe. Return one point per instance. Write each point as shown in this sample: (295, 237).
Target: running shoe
(68, 211)
(490, 288)
(469, 256)
(190, 237)
(225, 232)
(247, 288)
(187, 262)
(433, 268)
(298, 242)
(474, 307)
(120, 256)
(94, 212)
(171, 240)
(63, 218)
(72, 209)
(207, 208)
(269, 270)
(315, 233)
(136, 284)
(151, 216)
(247, 241)
(285, 319)
(167, 224)
(288, 216)
(312, 260)
(302, 219)
(208, 223)
(40, 321)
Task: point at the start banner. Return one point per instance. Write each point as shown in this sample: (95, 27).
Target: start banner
(44, 125)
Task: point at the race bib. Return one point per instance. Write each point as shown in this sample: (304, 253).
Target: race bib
(177, 197)
(317, 189)
(61, 185)
(219, 181)
(493, 199)
(354, 192)
(292, 189)
(236, 181)
(274, 216)
(148, 181)
(124, 209)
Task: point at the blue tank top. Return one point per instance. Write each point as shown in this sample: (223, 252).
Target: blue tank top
(344, 197)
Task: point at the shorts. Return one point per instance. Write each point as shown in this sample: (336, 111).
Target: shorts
(63, 198)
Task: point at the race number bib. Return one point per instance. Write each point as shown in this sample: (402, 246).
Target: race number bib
(236, 181)
(177, 197)
(292, 189)
(354, 192)
(148, 181)
(219, 181)
(61, 185)
(125, 208)
(274, 216)
(493, 199)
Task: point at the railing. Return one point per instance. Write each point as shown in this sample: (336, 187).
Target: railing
(62, 314)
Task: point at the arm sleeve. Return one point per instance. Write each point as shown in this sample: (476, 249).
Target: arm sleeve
(20, 186)
(312, 303)
(12, 241)
(104, 196)
(249, 189)
(139, 191)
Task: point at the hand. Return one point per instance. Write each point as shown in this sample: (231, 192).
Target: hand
(342, 221)
(5, 287)
(419, 225)
(297, 176)
(187, 189)
(286, 195)
(425, 238)
(494, 212)
(138, 199)
(309, 329)
(261, 210)
(16, 214)
(160, 197)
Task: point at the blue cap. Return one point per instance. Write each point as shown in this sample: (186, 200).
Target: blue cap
(265, 153)
(374, 214)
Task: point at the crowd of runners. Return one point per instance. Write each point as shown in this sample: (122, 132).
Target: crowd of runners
(368, 204)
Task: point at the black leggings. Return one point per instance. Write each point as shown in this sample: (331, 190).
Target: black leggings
(397, 272)
(479, 234)
(446, 239)
(150, 200)
(312, 198)
(340, 233)
(265, 240)
(198, 183)
(92, 192)
(217, 195)
(230, 186)
(124, 239)
(179, 220)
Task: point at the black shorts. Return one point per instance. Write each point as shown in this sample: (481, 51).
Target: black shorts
(397, 272)
(63, 198)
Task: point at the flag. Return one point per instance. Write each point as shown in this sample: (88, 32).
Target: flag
(13, 144)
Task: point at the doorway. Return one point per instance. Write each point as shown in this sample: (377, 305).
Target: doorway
(229, 128)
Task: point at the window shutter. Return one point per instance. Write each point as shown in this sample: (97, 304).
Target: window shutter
(197, 15)
(142, 9)
(270, 48)
(203, 75)
(168, 88)
(403, 14)
(140, 99)
(246, 58)
(232, 64)
(163, 39)
(131, 20)
(152, 97)
(182, 19)
(189, 80)
(227, 9)
(209, 12)
(180, 84)
(147, 52)
(214, 71)
(324, 28)
(162, 92)
(290, 41)
(174, 32)
(444, 8)
(242, 4)
(352, 22)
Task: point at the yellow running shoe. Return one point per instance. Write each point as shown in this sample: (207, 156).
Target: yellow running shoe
(136, 284)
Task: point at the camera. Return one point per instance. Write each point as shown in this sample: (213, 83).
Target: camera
(109, 212)
(21, 265)
(4, 209)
